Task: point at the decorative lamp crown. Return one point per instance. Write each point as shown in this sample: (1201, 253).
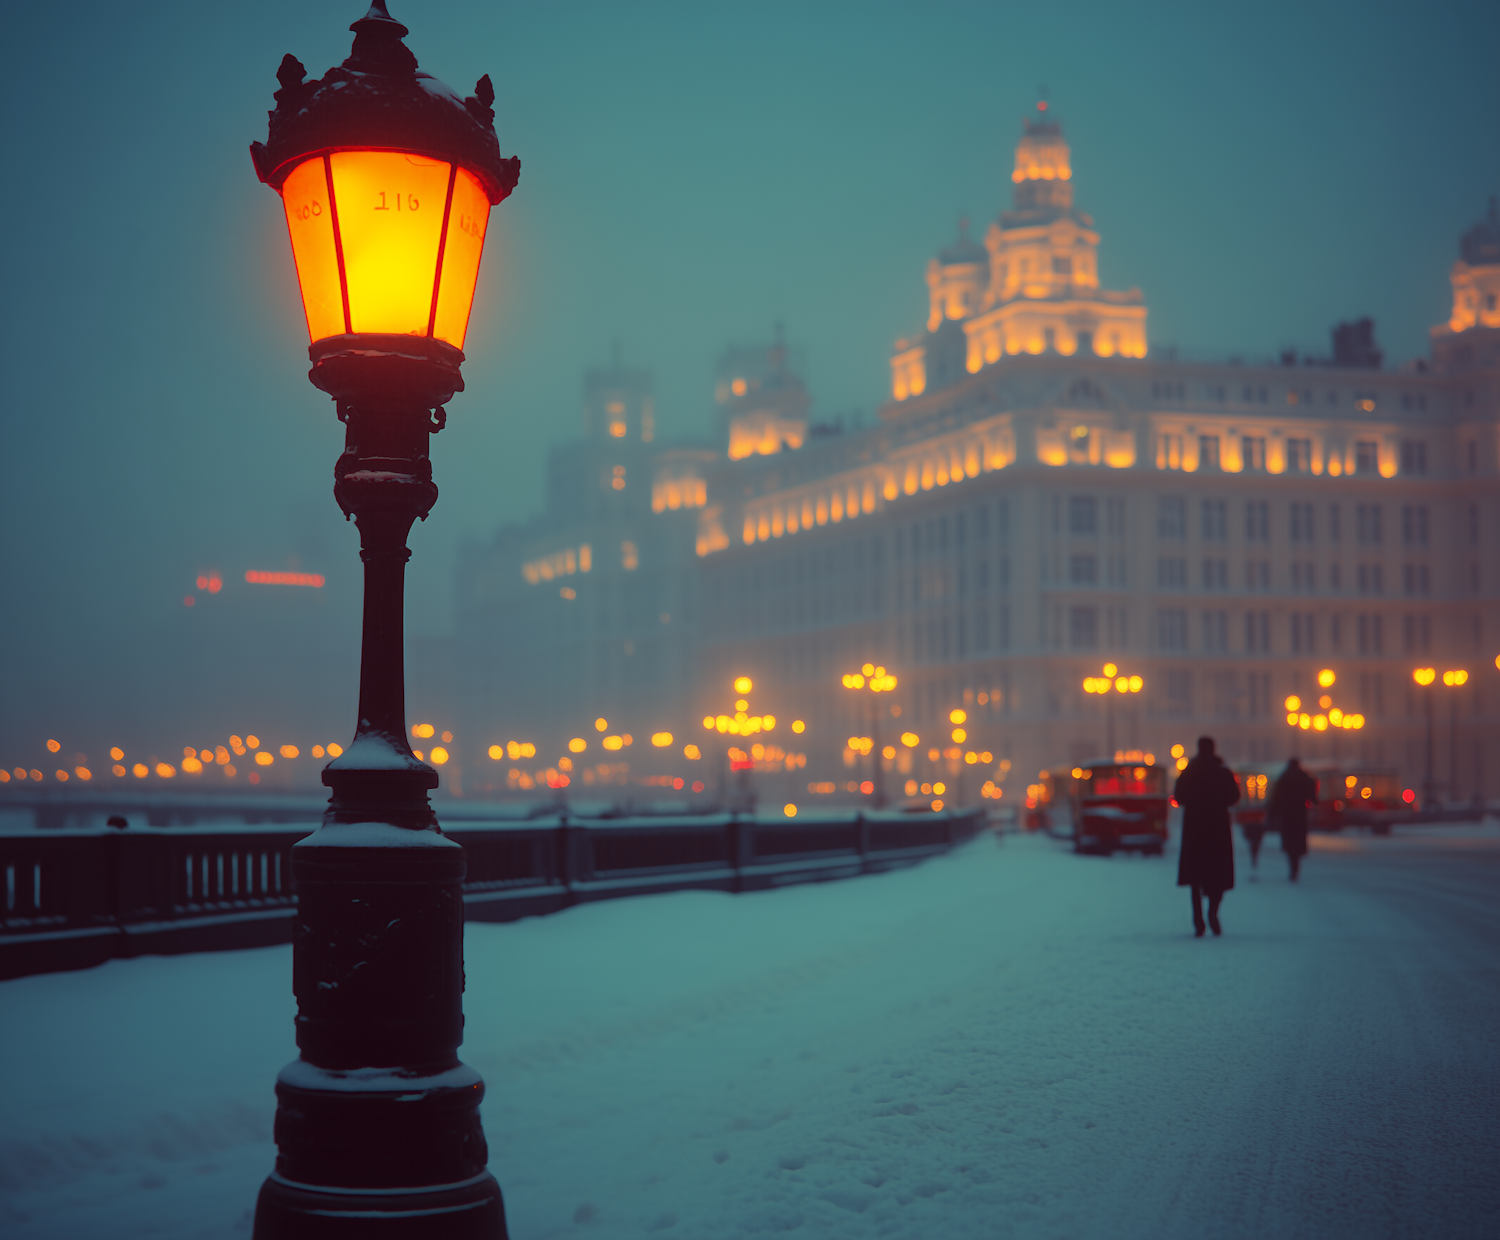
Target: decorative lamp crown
(387, 177)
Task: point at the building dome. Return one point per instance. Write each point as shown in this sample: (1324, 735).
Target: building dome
(1481, 244)
(955, 279)
(963, 250)
(1476, 298)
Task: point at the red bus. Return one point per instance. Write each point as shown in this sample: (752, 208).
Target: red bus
(1042, 800)
(1119, 805)
(1357, 795)
(1349, 795)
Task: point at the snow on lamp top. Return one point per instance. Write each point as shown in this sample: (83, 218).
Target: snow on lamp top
(387, 177)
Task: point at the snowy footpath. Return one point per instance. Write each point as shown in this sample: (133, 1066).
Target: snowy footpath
(1006, 1042)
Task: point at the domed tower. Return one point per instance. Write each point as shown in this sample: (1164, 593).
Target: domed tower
(1470, 334)
(1033, 289)
(618, 402)
(956, 279)
(1044, 172)
(762, 400)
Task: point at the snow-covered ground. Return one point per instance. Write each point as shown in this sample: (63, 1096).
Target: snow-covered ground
(1009, 1041)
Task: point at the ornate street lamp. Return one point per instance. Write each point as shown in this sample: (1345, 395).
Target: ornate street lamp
(1453, 679)
(740, 762)
(877, 680)
(1108, 685)
(1424, 676)
(387, 177)
(1325, 717)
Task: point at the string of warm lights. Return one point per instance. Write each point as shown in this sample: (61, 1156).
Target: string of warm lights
(195, 761)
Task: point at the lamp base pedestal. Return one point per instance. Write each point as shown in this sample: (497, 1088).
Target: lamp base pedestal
(472, 1210)
(377, 1122)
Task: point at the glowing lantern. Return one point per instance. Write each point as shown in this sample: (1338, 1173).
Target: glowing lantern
(387, 178)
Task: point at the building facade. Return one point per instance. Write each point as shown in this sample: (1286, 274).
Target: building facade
(1042, 496)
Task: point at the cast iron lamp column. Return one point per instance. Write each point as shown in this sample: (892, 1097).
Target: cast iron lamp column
(1424, 676)
(877, 680)
(387, 178)
(1110, 683)
(1453, 679)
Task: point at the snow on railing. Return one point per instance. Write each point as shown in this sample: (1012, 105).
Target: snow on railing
(77, 897)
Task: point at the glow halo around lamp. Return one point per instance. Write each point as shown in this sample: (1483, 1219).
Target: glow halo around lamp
(387, 177)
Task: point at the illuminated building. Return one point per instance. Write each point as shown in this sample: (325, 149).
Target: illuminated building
(1469, 336)
(589, 609)
(1039, 495)
(1042, 494)
(1032, 288)
(762, 402)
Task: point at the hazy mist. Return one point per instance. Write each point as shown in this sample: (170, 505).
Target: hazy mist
(691, 173)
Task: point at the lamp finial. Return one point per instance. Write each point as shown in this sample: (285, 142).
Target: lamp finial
(377, 44)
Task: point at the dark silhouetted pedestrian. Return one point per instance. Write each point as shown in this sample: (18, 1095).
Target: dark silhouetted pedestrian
(1294, 791)
(1255, 832)
(1205, 790)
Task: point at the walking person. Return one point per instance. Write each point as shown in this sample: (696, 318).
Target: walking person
(1205, 790)
(1294, 791)
(1255, 832)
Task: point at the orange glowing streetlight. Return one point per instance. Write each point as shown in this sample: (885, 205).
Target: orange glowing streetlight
(386, 178)
(1453, 679)
(740, 723)
(877, 680)
(1112, 681)
(1324, 715)
(1425, 677)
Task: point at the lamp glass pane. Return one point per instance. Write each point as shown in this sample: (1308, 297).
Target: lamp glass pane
(310, 223)
(390, 207)
(467, 220)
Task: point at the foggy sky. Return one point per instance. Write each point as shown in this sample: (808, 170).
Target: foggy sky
(690, 174)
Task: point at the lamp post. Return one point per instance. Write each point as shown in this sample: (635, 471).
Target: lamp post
(1110, 683)
(1453, 680)
(387, 178)
(1424, 676)
(741, 723)
(877, 680)
(957, 757)
(1325, 715)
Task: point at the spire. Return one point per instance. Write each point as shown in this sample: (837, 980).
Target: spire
(963, 250)
(1043, 171)
(1481, 244)
(377, 44)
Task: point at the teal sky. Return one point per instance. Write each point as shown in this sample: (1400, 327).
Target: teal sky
(690, 174)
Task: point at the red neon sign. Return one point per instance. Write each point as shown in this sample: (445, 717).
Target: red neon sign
(284, 579)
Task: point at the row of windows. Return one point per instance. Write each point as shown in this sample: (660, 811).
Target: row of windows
(1297, 459)
(1172, 574)
(1086, 518)
(939, 639)
(940, 533)
(1302, 525)
(1259, 394)
(1303, 632)
(1083, 570)
(1090, 516)
(948, 581)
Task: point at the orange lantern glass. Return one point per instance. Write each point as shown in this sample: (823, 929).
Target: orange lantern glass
(386, 242)
(387, 178)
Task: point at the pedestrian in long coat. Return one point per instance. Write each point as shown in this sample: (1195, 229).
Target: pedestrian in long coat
(1205, 790)
(1288, 809)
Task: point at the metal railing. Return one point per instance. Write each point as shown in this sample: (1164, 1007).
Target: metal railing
(75, 897)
